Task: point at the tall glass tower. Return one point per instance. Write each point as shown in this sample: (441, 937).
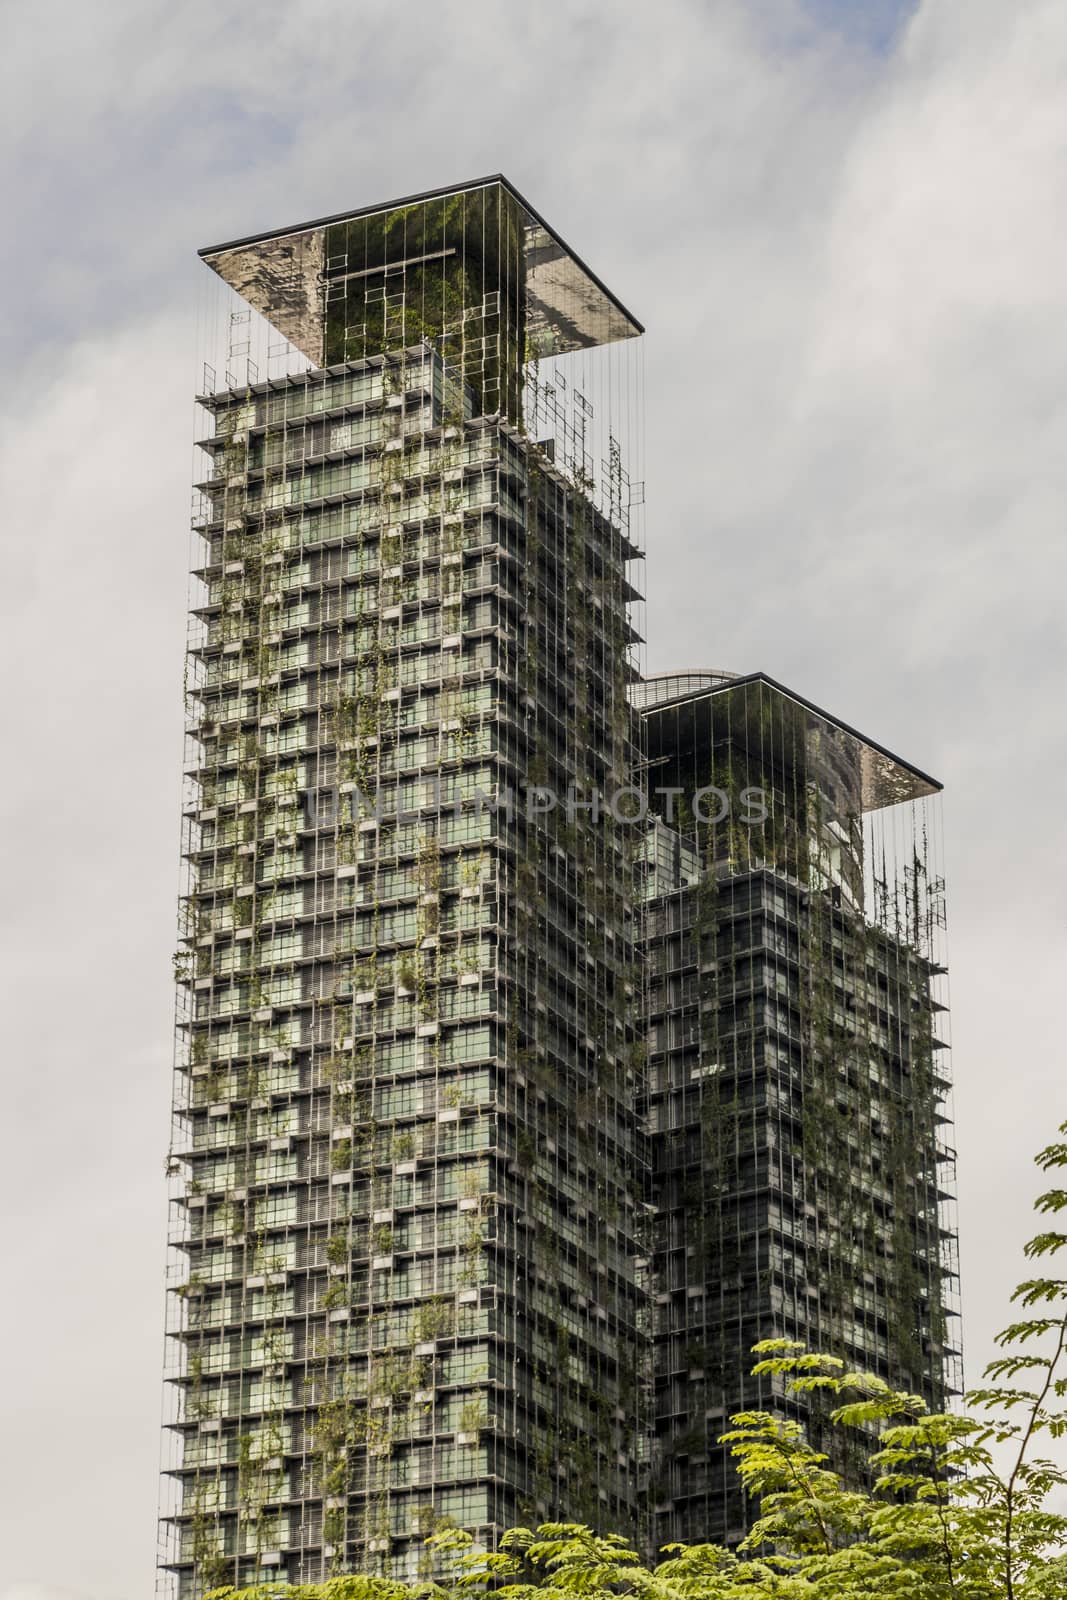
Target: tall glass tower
(409, 1183)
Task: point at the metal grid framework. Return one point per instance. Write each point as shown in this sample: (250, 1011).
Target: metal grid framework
(408, 1172)
(797, 1080)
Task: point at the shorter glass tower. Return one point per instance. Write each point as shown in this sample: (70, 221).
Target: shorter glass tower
(797, 1074)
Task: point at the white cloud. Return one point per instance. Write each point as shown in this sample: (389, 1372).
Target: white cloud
(95, 548)
(35, 1591)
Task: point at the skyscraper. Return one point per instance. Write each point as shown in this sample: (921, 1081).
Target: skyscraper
(546, 1035)
(797, 1085)
(407, 1158)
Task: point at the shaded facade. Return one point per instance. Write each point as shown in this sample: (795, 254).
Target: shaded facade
(407, 1161)
(796, 1085)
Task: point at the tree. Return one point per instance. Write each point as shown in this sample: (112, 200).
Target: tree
(942, 1520)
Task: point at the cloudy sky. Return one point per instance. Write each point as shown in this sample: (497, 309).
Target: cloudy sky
(841, 221)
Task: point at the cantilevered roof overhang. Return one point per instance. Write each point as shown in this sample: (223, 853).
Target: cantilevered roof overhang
(884, 778)
(281, 274)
